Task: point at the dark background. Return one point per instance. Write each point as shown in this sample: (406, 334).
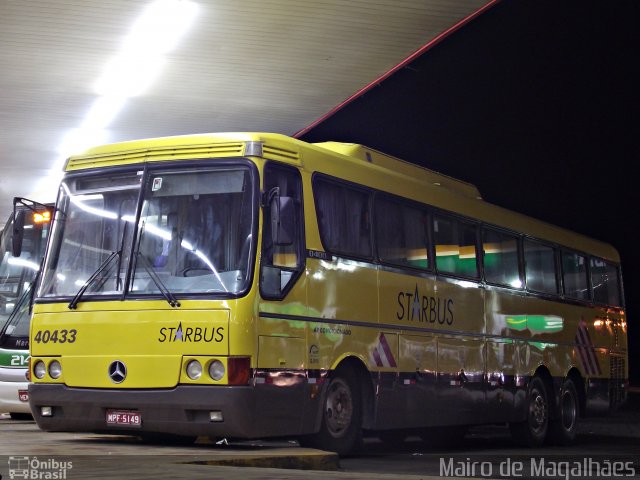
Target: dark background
(534, 102)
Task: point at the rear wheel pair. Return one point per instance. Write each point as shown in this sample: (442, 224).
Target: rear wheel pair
(539, 426)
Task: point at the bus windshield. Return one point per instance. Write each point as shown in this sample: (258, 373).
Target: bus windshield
(193, 236)
(15, 334)
(17, 273)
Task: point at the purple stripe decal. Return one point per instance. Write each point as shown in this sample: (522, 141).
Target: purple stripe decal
(376, 357)
(585, 348)
(591, 351)
(387, 350)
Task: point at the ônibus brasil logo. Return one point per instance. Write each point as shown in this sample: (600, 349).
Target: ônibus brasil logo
(35, 468)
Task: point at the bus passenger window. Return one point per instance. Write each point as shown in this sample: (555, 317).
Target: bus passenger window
(401, 234)
(604, 278)
(540, 267)
(500, 254)
(455, 243)
(343, 218)
(574, 275)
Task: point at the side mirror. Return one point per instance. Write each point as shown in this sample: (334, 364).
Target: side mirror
(283, 219)
(18, 233)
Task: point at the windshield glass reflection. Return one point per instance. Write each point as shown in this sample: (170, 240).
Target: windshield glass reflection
(195, 232)
(95, 219)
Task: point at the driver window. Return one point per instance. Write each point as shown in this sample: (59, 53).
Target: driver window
(282, 262)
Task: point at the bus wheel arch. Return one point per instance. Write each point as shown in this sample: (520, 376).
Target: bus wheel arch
(344, 401)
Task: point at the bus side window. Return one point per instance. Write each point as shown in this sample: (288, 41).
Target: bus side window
(343, 218)
(574, 275)
(401, 234)
(500, 256)
(282, 263)
(604, 279)
(455, 243)
(540, 267)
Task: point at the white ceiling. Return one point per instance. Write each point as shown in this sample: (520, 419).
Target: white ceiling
(245, 65)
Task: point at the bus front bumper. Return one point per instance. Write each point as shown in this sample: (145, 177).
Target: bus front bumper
(247, 412)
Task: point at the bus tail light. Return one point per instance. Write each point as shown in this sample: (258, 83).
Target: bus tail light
(239, 370)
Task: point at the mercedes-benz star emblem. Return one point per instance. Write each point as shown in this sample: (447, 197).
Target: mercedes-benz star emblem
(117, 371)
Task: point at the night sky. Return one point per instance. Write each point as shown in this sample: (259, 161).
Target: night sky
(537, 104)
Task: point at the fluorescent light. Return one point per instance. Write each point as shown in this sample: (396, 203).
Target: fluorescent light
(129, 75)
(156, 32)
(102, 112)
(160, 27)
(79, 139)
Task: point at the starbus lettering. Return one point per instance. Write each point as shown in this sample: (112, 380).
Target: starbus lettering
(191, 334)
(422, 308)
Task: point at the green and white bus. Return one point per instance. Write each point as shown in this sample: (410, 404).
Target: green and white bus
(19, 266)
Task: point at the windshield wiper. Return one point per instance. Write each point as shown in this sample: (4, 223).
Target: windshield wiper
(166, 293)
(73, 304)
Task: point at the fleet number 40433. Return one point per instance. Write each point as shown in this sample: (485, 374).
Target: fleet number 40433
(56, 336)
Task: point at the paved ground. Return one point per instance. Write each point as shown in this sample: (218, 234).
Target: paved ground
(105, 457)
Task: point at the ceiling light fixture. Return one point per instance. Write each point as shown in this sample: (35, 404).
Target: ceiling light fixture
(156, 32)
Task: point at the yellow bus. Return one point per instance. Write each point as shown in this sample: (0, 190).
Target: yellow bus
(250, 285)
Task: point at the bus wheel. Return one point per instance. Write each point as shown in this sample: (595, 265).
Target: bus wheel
(533, 430)
(563, 428)
(341, 424)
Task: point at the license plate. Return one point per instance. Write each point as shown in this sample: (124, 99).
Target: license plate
(129, 418)
(23, 395)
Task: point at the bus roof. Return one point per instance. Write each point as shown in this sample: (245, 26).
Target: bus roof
(352, 162)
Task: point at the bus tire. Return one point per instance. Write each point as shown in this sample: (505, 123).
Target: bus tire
(341, 422)
(563, 428)
(533, 430)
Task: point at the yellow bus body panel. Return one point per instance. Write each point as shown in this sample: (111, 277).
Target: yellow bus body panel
(151, 342)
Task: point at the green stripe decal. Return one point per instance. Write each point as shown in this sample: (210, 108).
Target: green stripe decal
(13, 358)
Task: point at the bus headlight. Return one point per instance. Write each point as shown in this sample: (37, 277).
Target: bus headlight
(39, 370)
(194, 369)
(216, 370)
(55, 369)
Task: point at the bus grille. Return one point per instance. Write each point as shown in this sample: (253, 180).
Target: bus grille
(272, 152)
(617, 394)
(154, 154)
